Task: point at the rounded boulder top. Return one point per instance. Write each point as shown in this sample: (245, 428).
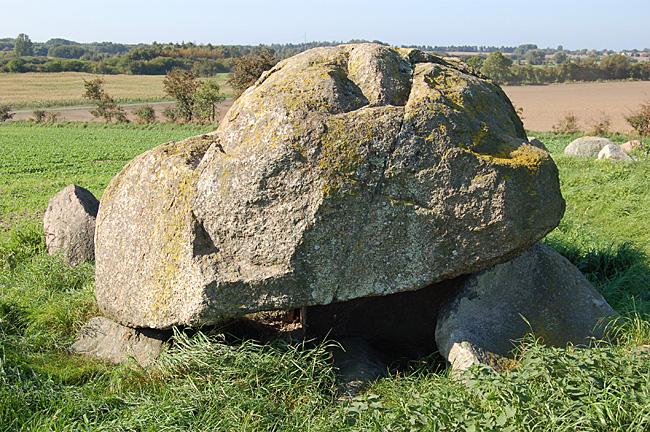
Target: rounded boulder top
(587, 146)
(344, 172)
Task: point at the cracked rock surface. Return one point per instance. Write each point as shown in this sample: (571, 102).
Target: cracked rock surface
(344, 172)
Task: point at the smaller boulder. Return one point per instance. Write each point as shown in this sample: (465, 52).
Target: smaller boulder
(69, 224)
(105, 339)
(540, 292)
(537, 143)
(587, 146)
(631, 145)
(612, 151)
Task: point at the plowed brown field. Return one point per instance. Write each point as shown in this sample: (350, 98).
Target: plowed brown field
(545, 106)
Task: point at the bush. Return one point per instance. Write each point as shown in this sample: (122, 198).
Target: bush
(170, 114)
(568, 125)
(195, 100)
(16, 65)
(39, 116)
(52, 116)
(145, 114)
(640, 120)
(247, 70)
(5, 112)
(106, 106)
(602, 126)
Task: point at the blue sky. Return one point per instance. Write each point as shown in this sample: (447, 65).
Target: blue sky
(592, 24)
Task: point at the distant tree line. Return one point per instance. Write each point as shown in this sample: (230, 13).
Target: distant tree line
(533, 67)
(524, 64)
(61, 55)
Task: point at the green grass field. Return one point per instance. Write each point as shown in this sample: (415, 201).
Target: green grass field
(63, 89)
(211, 383)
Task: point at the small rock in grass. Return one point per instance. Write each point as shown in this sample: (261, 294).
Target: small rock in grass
(587, 146)
(612, 151)
(537, 143)
(69, 224)
(102, 338)
(631, 145)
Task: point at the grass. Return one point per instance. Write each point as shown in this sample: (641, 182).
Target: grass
(40, 160)
(208, 382)
(64, 89)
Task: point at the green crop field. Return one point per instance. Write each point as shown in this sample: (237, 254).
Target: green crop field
(213, 382)
(39, 160)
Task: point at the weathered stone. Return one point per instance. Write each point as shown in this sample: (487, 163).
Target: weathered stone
(540, 292)
(631, 146)
(537, 143)
(69, 224)
(587, 146)
(344, 172)
(612, 151)
(148, 239)
(107, 340)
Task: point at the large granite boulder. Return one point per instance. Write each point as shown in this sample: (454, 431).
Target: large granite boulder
(69, 224)
(587, 146)
(540, 292)
(344, 172)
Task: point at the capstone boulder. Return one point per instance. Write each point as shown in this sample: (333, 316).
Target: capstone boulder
(344, 172)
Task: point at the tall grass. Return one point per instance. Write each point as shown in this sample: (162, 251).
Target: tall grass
(211, 382)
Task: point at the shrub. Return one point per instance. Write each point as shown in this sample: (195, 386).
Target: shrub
(247, 70)
(206, 99)
(145, 114)
(181, 85)
(568, 125)
(195, 100)
(106, 106)
(5, 112)
(39, 116)
(640, 120)
(520, 112)
(602, 126)
(53, 116)
(170, 114)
